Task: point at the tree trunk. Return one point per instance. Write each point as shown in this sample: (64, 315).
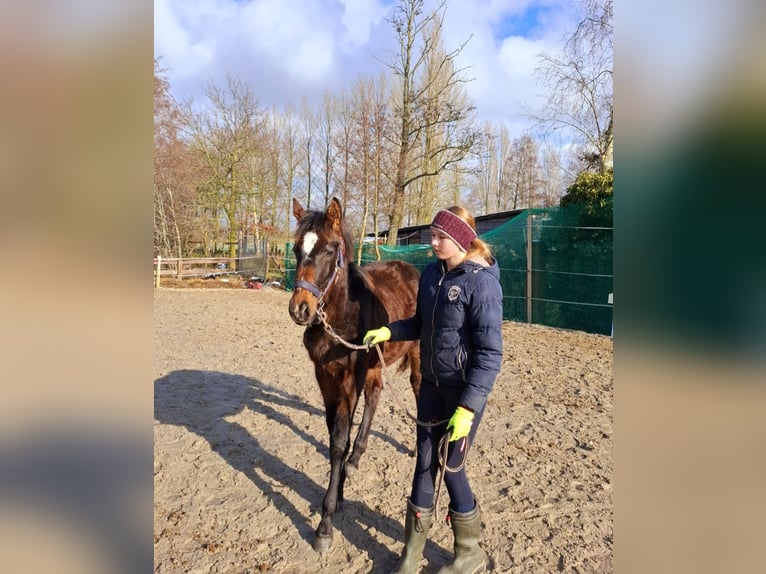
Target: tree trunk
(607, 159)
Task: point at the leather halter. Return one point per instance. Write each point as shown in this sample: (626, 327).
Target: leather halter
(313, 289)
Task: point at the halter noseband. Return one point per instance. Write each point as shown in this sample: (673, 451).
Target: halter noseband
(313, 289)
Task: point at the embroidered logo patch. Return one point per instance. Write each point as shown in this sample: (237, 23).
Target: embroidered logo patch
(453, 293)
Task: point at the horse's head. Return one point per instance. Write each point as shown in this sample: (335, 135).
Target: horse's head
(320, 254)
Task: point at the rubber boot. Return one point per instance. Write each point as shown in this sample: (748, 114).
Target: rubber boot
(416, 526)
(469, 558)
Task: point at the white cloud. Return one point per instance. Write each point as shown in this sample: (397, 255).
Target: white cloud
(174, 42)
(359, 18)
(504, 83)
(290, 49)
(519, 57)
(296, 36)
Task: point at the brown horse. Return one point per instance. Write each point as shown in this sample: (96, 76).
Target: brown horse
(338, 302)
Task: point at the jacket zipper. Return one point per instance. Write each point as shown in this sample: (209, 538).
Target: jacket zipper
(433, 326)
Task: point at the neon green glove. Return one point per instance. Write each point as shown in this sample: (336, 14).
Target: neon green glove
(376, 336)
(460, 423)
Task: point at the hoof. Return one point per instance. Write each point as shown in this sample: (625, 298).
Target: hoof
(322, 544)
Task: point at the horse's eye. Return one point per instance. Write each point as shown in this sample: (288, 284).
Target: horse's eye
(329, 253)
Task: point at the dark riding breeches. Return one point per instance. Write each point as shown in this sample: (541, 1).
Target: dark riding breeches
(435, 404)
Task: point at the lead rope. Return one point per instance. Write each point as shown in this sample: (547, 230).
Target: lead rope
(330, 331)
(443, 449)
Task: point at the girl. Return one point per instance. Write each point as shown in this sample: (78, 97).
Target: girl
(458, 322)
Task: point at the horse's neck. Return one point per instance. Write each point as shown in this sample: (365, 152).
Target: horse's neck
(342, 312)
(336, 300)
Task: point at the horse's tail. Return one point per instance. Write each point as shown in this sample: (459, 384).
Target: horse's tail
(404, 364)
(410, 359)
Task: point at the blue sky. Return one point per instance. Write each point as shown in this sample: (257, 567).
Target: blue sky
(291, 49)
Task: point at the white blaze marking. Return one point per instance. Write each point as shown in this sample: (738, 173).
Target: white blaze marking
(309, 240)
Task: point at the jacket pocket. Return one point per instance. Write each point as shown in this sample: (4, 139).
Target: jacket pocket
(462, 362)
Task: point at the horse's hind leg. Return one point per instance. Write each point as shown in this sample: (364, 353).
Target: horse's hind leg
(371, 396)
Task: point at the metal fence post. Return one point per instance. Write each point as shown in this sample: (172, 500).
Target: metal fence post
(529, 268)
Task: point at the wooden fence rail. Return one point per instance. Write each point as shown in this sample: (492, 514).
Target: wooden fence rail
(206, 267)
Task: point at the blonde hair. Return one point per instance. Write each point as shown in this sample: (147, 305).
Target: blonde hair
(478, 247)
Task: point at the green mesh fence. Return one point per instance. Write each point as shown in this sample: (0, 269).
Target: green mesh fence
(570, 267)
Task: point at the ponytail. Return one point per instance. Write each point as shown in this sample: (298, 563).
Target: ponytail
(478, 249)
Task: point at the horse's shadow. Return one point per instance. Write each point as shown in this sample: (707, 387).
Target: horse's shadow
(200, 401)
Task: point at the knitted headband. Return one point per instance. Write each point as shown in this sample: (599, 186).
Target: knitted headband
(455, 228)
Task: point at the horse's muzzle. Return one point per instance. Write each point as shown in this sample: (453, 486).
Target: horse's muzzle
(300, 311)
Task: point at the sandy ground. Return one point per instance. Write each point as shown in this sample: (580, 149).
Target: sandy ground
(241, 458)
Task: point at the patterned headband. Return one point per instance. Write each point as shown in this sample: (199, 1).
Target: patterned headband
(455, 228)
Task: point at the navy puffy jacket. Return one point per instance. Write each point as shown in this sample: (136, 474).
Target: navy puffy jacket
(458, 321)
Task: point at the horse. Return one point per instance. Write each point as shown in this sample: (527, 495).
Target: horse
(338, 301)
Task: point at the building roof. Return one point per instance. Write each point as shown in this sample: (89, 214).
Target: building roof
(422, 233)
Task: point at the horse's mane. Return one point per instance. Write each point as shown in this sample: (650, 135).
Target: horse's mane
(358, 279)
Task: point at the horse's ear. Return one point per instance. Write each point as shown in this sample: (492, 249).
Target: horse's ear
(335, 214)
(298, 210)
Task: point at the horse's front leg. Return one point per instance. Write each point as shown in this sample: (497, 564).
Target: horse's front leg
(338, 423)
(372, 387)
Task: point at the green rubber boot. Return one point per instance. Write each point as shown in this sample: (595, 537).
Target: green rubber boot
(469, 558)
(416, 526)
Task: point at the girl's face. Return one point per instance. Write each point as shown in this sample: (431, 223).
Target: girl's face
(446, 249)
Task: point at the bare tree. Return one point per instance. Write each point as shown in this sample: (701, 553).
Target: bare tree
(491, 188)
(291, 163)
(309, 137)
(224, 137)
(554, 181)
(434, 117)
(455, 185)
(522, 171)
(502, 158)
(580, 86)
(484, 188)
(274, 150)
(327, 127)
(174, 194)
(166, 232)
(385, 153)
(343, 143)
(361, 152)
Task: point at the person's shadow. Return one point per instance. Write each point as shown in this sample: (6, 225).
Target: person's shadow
(185, 398)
